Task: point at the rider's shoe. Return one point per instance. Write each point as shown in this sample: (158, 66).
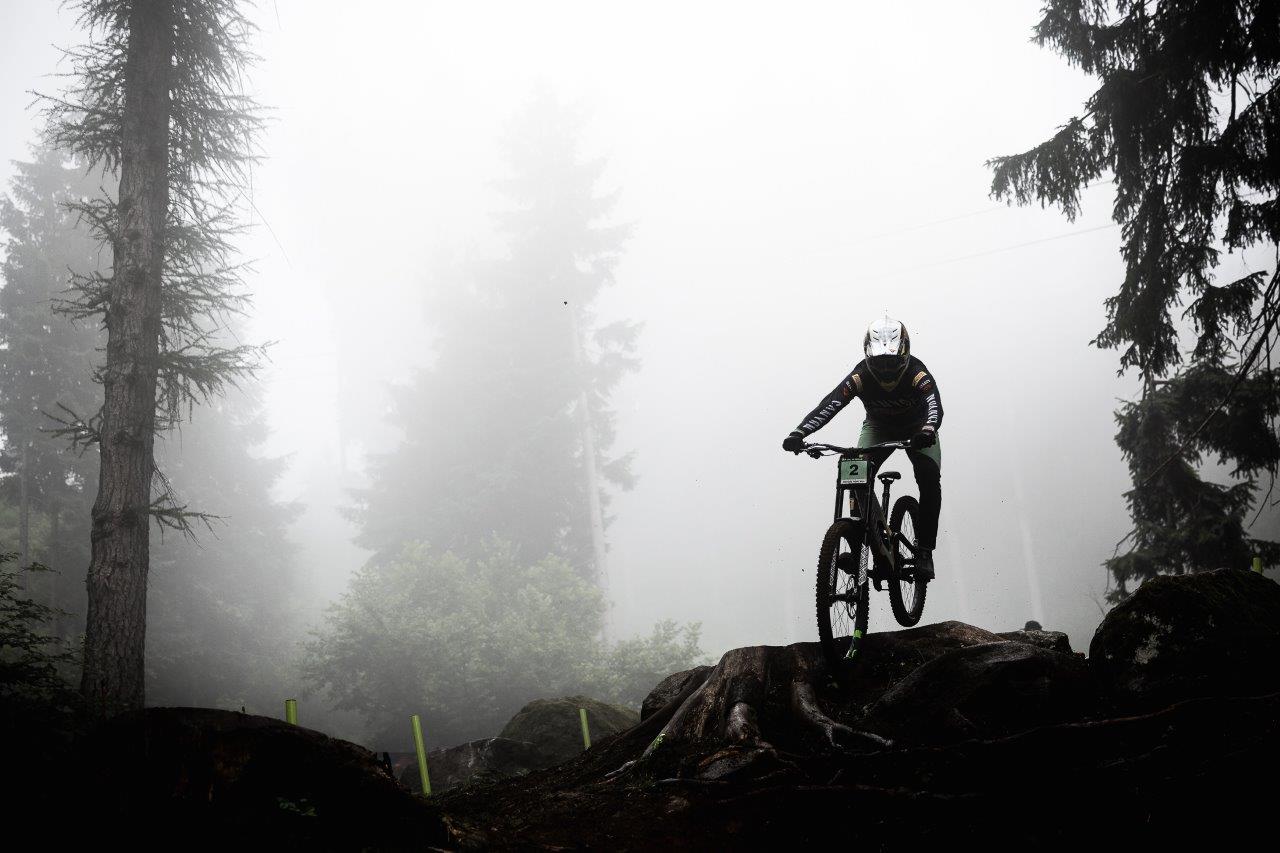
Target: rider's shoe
(924, 565)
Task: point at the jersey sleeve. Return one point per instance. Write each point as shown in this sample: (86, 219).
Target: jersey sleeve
(830, 405)
(926, 390)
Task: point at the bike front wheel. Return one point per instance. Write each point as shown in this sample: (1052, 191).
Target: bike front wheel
(906, 593)
(844, 562)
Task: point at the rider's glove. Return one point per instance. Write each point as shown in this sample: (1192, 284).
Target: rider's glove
(793, 442)
(926, 437)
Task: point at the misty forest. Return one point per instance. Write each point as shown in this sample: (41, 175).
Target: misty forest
(414, 425)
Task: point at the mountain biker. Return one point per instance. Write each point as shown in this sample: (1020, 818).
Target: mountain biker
(902, 403)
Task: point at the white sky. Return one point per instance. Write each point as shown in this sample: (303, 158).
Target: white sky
(779, 162)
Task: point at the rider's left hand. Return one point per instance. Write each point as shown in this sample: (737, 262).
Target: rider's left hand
(926, 437)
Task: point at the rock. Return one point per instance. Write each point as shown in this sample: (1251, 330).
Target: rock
(669, 688)
(987, 690)
(227, 780)
(915, 646)
(1054, 641)
(553, 726)
(476, 762)
(1207, 634)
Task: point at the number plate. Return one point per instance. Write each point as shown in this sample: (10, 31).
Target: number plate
(853, 472)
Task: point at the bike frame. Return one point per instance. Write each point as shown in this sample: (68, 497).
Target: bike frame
(887, 548)
(882, 539)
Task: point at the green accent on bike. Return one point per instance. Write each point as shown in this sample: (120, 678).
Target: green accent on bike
(586, 733)
(291, 711)
(655, 743)
(853, 644)
(1257, 565)
(422, 755)
(853, 472)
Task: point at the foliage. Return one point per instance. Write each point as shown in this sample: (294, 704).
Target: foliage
(497, 429)
(466, 641)
(1187, 122)
(35, 665)
(222, 622)
(46, 367)
(155, 98)
(629, 669)
(212, 132)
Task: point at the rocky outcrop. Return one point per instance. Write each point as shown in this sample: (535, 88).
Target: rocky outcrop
(986, 690)
(1054, 641)
(1214, 633)
(553, 726)
(476, 763)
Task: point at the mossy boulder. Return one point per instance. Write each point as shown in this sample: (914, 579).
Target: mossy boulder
(1179, 637)
(476, 763)
(552, 725)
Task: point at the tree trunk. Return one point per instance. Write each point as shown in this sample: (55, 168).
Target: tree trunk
(117, 582)
(24, 514)
(54, 552)
(599, 550)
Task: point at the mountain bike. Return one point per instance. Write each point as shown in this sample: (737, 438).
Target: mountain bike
(861, 549)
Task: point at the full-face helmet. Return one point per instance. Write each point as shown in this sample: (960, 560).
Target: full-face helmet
(887, 348)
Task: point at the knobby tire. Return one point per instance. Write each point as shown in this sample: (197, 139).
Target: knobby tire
(906, 594)
(833, 581)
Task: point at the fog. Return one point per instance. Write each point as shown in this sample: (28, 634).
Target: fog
(789, 176)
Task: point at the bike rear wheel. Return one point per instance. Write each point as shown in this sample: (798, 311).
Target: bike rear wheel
(842, 595)
(906, 593)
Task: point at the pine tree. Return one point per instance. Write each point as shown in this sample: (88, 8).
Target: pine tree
(222, 618)
(502, 433)
(1186, 120)
(46, 367)
(157, 97)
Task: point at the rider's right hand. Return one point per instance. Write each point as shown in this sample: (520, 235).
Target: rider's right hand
(793, 443)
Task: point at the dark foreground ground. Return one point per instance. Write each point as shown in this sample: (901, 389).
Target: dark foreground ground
(1167, 734)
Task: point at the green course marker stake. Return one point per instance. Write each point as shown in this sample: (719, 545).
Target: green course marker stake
(422, 755)
(586, 733)
(1257, 565)
(291, 711)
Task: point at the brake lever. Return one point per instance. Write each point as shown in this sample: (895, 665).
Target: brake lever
(813, 452)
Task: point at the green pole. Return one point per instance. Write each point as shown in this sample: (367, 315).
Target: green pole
(291, 711)
(1257, 565)
(422, 755)
(586, 733)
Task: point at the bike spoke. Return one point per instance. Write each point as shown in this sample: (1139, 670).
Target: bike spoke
(905, 541)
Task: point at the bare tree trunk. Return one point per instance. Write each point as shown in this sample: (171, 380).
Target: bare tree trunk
(117, 583)
(54, 552)
(24, 513)
(599, 550)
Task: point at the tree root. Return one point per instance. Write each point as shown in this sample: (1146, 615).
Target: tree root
(804, 705)
(755, 695)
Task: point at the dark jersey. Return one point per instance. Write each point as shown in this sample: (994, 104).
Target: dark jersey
(911, 404)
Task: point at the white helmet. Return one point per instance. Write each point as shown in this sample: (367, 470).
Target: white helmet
(887, 348)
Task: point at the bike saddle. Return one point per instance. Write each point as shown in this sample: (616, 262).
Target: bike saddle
(889, 476)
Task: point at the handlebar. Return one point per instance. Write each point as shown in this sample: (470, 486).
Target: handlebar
(819, 450)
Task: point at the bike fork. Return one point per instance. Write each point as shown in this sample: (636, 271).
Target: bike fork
(859, 604)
